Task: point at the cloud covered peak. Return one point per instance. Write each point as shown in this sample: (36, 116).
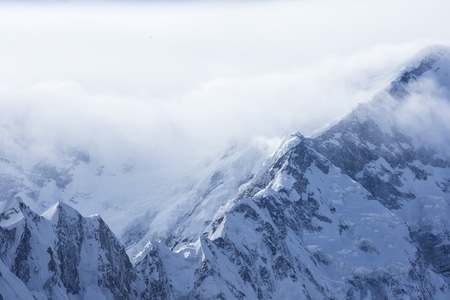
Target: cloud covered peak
(432, 63)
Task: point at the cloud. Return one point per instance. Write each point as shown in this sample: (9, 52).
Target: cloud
(425, 115)
(169, 84)
(207, 118)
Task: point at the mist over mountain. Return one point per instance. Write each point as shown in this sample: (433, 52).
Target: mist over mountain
(224, 149)
(359, 210)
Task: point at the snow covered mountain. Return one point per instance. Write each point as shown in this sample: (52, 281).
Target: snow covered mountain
(61, 255)
(94, 185)
(359, 211)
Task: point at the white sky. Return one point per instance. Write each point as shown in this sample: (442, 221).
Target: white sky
(177, 79)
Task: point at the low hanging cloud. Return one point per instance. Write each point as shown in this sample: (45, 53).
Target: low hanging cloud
(425, 115)
(173, 82)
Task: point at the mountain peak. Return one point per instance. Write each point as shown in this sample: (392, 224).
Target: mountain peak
(432, 52)
(53, 212)
(432, 61)
(10, 212)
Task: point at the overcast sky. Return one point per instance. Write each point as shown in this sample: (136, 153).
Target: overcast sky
(186, 78)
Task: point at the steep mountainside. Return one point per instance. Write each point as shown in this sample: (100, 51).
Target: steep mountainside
(61, 255)
(359, 211)
(94, 185)
(402, 170)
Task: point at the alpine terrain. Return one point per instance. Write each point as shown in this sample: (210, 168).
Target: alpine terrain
(358, 211)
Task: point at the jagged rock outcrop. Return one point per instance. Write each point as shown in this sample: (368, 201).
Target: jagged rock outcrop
(62, 255)
(360, 211)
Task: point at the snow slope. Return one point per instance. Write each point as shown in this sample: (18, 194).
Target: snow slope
(358, 212)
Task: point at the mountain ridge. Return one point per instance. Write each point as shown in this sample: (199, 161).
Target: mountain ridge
(357, 212)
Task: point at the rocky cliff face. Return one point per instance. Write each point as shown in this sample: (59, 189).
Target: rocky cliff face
(312, 232)
(402, 171)
(358, 212)
(61, 255)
